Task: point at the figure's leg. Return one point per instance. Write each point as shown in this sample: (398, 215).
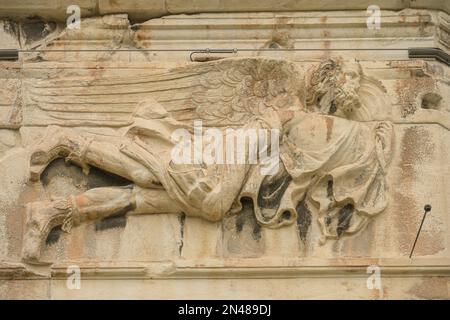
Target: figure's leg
(149, 201)
(83, 150)
(94, 204)
(43, 216)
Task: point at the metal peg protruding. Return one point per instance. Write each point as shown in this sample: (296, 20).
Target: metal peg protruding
(426, 208)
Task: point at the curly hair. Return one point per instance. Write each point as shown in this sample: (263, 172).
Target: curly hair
(323, 79)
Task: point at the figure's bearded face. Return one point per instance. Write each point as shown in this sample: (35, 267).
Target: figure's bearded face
(335, 88)
(346, 96)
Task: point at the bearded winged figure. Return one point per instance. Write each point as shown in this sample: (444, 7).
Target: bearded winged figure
(332, 156)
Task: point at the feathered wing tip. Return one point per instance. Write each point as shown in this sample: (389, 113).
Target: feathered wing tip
(223, 92)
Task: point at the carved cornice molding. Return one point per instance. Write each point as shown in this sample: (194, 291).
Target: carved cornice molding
(297, 34)
(248, 269)
(144, 9)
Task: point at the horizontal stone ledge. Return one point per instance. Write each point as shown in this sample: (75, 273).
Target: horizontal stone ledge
(140, 10)
(224, 269)
(304, 34)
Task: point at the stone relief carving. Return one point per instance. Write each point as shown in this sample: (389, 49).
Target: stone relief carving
(332, 157)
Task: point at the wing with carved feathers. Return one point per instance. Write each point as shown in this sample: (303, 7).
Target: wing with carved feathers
(226, 92)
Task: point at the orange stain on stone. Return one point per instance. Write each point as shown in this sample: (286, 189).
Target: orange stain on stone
(81, 200)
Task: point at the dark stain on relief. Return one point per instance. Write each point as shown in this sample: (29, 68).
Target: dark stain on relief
(272, 190)
(330, 189)
(241, 233)
(135, 27)
(333, 108)
(58, 169)
(330, 196)
(36, 29)
(182, 220)
(54, 235)
(247, 216)
(11, 28)
(344, 218)
(256, 233)
(118, 220)
(303, 220)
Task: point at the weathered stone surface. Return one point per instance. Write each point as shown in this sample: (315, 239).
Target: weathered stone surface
(364, 146)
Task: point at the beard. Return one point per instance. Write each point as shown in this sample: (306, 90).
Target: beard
(346, 100)
(331, 99)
